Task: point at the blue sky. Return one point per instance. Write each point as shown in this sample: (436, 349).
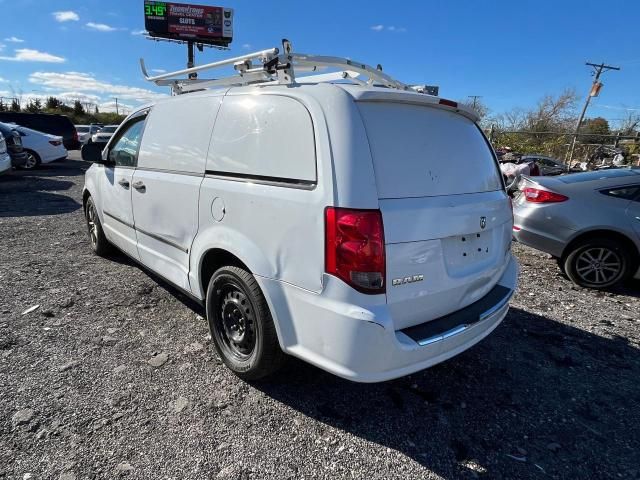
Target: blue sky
(509, 52)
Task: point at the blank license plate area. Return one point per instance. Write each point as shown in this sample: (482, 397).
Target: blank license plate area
(462, 251)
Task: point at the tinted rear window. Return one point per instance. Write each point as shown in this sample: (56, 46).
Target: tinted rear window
(598, 175)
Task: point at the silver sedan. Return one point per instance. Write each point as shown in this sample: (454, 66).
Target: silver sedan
(589, 221)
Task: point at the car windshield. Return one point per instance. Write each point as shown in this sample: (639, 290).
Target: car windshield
(82, 129)
(107, 130)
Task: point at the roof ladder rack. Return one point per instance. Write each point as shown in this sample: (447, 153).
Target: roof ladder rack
(273, 67)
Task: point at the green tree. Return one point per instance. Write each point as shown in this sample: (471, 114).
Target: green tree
(15, 105)
(78, 109)
(594, 130)
(3, 107)
(52, 103)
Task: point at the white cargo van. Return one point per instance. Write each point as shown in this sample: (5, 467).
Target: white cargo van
(363, 228)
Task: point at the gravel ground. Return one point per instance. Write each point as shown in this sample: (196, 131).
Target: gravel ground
(114, 375)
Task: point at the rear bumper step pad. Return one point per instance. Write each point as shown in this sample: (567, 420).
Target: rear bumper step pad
(456, 322)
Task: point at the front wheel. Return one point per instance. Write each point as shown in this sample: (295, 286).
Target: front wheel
(99, 243)
(241, 325)
(598, 263)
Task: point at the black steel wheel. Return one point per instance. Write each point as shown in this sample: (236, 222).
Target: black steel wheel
(241, 325)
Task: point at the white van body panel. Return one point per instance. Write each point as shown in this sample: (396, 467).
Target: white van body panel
(263, 200)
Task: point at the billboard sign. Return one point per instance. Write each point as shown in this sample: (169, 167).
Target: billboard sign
(181, 21)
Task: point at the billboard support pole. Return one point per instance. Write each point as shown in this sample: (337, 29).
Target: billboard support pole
(190, 60)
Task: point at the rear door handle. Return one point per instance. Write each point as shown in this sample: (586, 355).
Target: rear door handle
(138, 185)
(123, 183)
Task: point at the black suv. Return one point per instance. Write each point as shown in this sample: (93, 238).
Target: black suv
(47, 123)
(14, 145)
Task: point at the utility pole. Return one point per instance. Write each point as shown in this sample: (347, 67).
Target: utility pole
(595, 90)
(475, 100)
(117, 111)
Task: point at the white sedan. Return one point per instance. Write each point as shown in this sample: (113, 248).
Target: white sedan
(104, 134)
(41, 147)
(5, 159)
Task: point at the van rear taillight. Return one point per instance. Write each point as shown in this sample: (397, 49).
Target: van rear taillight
(536, 195)
(354, 248)
(55, 143)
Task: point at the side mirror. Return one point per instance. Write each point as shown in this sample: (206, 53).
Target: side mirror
(92, 152)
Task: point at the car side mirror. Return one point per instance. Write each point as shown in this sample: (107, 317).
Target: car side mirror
(92, 152)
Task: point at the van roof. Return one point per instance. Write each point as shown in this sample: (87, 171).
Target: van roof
(357, 92)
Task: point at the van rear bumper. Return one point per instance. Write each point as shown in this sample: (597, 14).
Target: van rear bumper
(352, 335)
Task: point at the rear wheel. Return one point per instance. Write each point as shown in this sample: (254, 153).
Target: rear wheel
(33, 160)
(241, 325)
(598, 263)
(99, 243)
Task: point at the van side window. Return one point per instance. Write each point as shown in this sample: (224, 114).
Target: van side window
(177, 134)
(124, 151)
(266, 136)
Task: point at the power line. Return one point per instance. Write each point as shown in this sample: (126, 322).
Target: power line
(595, 90)
(475, 99)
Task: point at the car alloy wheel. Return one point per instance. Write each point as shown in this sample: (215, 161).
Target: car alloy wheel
(92, 225)
(31, 161)
(599, 266)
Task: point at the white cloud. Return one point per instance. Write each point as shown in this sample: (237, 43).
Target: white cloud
(138, 32)
(3, 80)
(122, 108)
(2, 45)
(29, 55)
(247, 46)
(66, 16)
(14, 40)
(88, 84)
(101, 27)
(158, 70)
(389, 28)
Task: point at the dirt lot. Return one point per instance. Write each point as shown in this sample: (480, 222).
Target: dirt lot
(553, 393)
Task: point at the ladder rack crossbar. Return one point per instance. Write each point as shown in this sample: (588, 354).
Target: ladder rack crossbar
(263, 55)
(273, 67)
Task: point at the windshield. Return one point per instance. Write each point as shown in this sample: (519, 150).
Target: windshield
(82, 129)
(107, 130)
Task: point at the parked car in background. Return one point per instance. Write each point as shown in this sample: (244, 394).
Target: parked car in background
(85, 132)
(14, 144)
(384, 263)
(589, 221)
(104, 134)
(5, 159)
(46, 123)
(41, 147)
(548, 166)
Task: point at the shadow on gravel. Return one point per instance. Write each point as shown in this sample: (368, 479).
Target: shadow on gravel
(537, 398)
(31, 193)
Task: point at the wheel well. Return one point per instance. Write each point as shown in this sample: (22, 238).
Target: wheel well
(85, 197)
(34, 153)
(623, 239)
(213, 260)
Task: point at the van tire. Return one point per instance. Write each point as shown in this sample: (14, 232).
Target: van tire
(98, 241)
(606, 253)
(241, 326)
